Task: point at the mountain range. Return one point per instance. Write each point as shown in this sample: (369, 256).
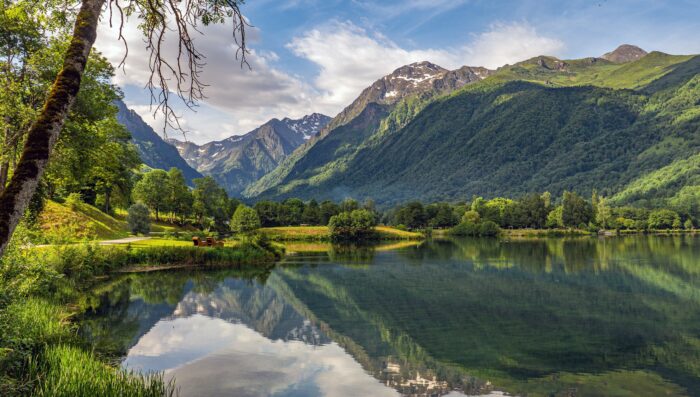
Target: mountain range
(612, 123)
(238, 161)
(624, 123)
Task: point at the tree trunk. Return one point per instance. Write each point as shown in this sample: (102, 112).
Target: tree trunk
(4, 170)
(44, 132)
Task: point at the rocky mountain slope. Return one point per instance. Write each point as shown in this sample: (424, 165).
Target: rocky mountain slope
(541, 124)
(237, 161)
(154, 151)
(625, 53)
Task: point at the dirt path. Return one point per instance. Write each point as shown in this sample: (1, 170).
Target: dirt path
(125, 240)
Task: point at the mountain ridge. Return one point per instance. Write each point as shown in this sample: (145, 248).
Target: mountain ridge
(153, 150)
(236, 161)
(416, 149)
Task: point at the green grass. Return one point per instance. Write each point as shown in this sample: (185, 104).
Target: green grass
(62, 223)
(71, 372)
(321, 233)
(59, 223)
(85, 261)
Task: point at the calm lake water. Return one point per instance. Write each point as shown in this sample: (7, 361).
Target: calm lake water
(546, 317)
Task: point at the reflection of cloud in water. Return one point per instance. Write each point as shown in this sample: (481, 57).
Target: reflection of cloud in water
(211, 357)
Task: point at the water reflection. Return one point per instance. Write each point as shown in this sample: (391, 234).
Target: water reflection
(561, 317)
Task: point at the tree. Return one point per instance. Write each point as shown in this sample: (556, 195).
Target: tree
(533, 211)
(155, 24)
(311, 214)
(210, 202)
(328, 209)
(603, 213)
(355, 225)
(554, 218)
(663, 219)
(245, 220)
(179, 195)
(139, 219)
(575, 210)
(267, 211)
(291, 211)
(152, 190)
(412, 215)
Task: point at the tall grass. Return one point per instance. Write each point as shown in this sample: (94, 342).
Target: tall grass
(87, 260)
(66, 371)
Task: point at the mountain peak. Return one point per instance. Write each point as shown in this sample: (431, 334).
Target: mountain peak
(625, 53)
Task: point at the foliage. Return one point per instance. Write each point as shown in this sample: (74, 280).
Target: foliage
(139, 219)
(355, 225)
(245, 220)
(575, 210)
(664, 219)
(470, 228)
(152, 190)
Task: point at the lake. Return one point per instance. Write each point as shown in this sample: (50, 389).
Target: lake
(617, 316)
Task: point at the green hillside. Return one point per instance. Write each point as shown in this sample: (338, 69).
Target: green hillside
(543, 124)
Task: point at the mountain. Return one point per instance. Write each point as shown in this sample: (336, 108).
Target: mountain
(543, 124)
(625, 53)
(154, 151)
(237, 161)
(403, 92)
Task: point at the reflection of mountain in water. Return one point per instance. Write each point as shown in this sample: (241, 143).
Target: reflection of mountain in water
(540, 317)
(256, 306)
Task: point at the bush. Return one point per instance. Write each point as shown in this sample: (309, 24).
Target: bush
(139, 219)
(73, 201)
(474, 229)
(489, 229)
(355, 225)
(688, 225)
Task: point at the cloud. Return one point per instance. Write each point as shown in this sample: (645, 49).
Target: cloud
(248, 96)
(350, 58)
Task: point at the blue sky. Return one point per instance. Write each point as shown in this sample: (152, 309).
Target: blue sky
(317, 55)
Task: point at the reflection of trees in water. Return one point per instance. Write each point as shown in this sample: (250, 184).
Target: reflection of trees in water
(523, 308)
(677, 254)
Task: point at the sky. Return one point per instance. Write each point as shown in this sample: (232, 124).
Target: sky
(311, 56)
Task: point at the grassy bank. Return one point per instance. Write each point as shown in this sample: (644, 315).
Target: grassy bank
(40, 291)
(76, 222)
(321, 233)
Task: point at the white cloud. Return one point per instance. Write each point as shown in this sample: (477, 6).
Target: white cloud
(349, 58)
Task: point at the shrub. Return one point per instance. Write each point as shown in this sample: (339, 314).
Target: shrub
(73, 201)
(473, 229)
(355, 225)
(489, 229)
(139, 219)
(688, 225)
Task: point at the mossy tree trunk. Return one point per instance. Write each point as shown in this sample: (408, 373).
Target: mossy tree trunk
(44, 132)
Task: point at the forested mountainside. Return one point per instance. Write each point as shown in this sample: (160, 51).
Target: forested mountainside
(405, 91)
(237, 161)
(615, 124)
(153, 150)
